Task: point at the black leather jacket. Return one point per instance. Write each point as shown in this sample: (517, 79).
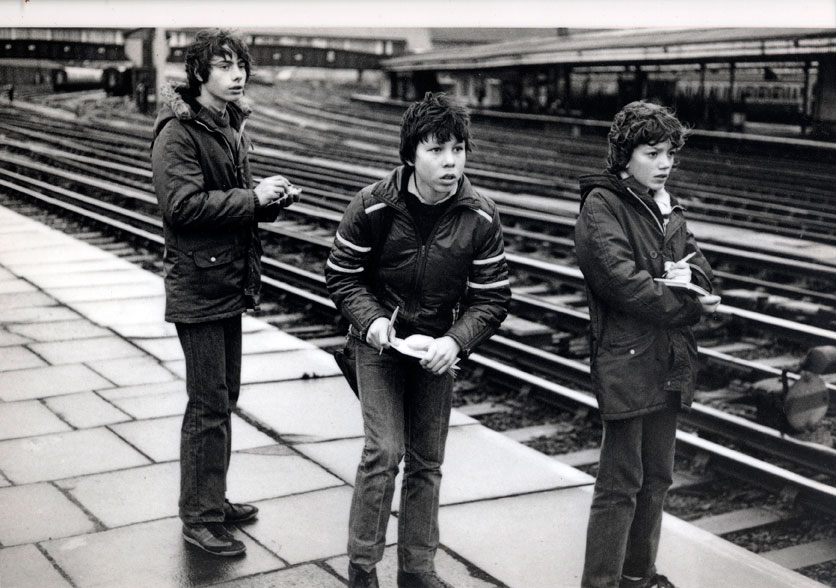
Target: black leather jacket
(455, 284)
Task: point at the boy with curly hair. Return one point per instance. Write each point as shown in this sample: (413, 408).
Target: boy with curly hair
(630, 233)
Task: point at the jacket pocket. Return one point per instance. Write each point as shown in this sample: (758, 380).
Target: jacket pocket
(628, 376)
(214, 257)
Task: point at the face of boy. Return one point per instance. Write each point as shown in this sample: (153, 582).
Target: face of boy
(227, 77)
(652, 164)
(438, 167)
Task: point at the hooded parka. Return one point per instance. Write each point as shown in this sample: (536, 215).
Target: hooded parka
(455, 284)
(643, 353)
(210, 211)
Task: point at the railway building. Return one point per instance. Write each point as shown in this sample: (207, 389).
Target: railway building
(718, 78)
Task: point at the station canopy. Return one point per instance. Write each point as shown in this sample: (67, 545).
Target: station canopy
(630, 46)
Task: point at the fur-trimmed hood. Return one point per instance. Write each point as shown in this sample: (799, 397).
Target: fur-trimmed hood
(176, 102)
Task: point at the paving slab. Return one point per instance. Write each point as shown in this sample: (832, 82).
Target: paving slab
(168, 348)
(28, 418)
(9, 339)
(273, 471)
(109, 313)
(85, 350)
(308, 411)
(107, 292)
(140, 390)
(59, 330)
(19, 358)
(162, 348)
(305, 410)
(152, 555)
(141, 329)
(99, 264)
(36, 512)
(13, 286)
(26, 567)
(86, 410)
(544, 531)
(131, 275)
(32, 239)
(448, 567)
(470, 471)
(307, 576)
(128, 496)
(276, 367)
(692, 557)
(62, 455)
(41, 314)
(149, 406)
(64, 252)
(159, 439)
(308, 527)
(267, 340)
(25, 299)
(47, 381)
(132, 371)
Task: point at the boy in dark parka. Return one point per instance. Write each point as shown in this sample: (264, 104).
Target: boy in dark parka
(212, 265)
(630, 232)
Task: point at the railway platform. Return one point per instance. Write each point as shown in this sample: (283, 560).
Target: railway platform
(91, 396)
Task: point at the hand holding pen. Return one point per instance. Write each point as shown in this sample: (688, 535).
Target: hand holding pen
(679, 270)
(390, 330)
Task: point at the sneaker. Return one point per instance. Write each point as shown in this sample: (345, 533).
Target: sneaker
(238, 513)
(654, 581)
(420, 580)
(213, 538)
(358, 578)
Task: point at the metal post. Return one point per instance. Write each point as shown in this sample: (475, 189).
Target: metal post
(160, 51)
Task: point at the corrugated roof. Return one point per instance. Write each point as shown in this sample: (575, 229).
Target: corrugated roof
(629, 45)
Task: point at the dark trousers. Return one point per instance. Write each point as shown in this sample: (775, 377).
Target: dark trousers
(213, 382)
(406, 414)
(625, 521)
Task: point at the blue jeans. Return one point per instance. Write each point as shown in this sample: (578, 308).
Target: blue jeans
(213, 382)
(406, 414)
(625, 521)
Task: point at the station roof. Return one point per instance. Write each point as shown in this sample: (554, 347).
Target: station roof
(631, 46)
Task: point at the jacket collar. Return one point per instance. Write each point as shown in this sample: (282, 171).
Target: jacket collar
(177, 103)
(389, 189)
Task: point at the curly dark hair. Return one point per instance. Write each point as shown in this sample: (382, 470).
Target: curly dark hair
(435, 116)
(642, 123)
(209, 43)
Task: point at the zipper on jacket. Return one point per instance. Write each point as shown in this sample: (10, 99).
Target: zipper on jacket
(652, 215)
(225, 140)
(423, 249)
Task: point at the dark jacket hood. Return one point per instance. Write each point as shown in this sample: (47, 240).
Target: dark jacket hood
(176, 102)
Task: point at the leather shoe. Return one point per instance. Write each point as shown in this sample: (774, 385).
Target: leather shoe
(238, 513)
(359, 578)
(420, 580)
(213, 538)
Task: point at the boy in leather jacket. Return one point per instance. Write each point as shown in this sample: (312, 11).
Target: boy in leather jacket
(630, 233)
(424, 242)
(212, 266)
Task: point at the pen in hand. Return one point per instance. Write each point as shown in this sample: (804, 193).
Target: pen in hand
(390, 329)
(670, 264)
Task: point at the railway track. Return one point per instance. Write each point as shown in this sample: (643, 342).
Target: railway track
(291, 282)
